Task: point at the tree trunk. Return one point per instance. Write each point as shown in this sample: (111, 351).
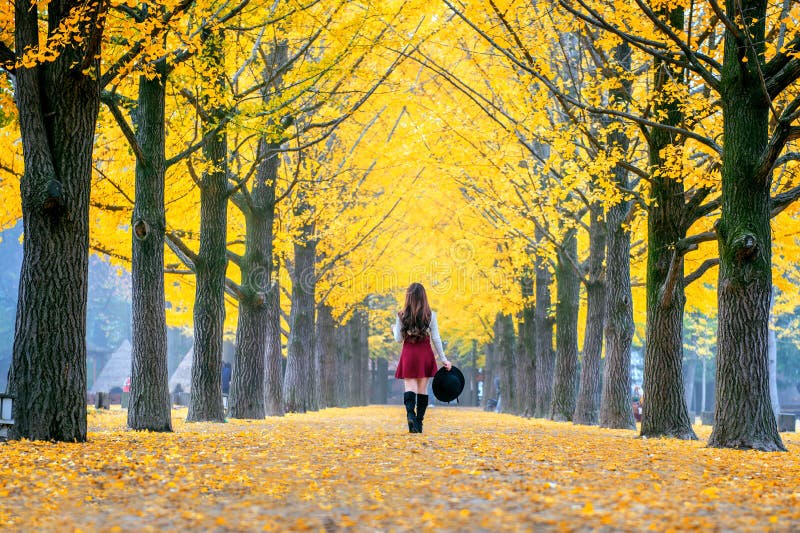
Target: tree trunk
(58, 102)
(489, 389)
(212, 262)
(247, 395)
(587, 410)
(689, 369)
(565, 383)
(350, 361)
(149, 407)
(326, 355)
(664, 409)
(504, 357)
(772, 353)
(380, 388)
(615, 399)
(743, 415)
(273, 374)
(343, 363)
(300, 381)
(525, 372)
(545, 356)
(362, 367)
(356, 359)
(474, 399)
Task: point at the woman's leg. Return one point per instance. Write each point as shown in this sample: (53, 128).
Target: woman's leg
(422, 402)
(410, 400)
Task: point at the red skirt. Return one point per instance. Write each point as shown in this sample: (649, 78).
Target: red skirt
(416, 360)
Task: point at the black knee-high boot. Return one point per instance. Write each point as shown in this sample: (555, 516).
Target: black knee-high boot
(422, 405)
(409, 398)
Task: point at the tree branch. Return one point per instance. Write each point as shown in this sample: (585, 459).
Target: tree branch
(687, 52)
(783, 200)
(235, 258)
(187, 256)
(702, 269)
(109, 99)
(783, 69)
(730, 26)
(134, 13)
(667, 290)
(531, 68)
(782, 134)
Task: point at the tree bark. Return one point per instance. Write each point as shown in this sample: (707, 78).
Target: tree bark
(545, 356)
(149, 407)
(587, 409)
(363, 358)
(380, 385)
(349, 361)
(504, 358)
(300, 381)
(212, 262)
(58, 102)
(689, 369)
(357, 366)
(341, 334)
(664, 410)
(743, 415)
(247, 395)
(615, 398)
(489, 390)
(326, 355)
(474, 399)
(273, 374)
(565, 382)
(772, 354)
(526, 353)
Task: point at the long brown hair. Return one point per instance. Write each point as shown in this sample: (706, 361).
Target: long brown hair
(415, 318)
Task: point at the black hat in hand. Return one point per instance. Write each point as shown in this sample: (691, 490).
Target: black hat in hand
(447, 385)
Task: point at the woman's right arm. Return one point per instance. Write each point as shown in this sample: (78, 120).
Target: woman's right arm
(397, 330)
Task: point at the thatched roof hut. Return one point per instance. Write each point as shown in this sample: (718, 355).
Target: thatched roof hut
(183, 374)
(116, 370)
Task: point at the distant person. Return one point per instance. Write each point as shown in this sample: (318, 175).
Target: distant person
(416, 328)
(226, 378)
(498, 406)
(177, 392)
(127, 386)
(637, 401)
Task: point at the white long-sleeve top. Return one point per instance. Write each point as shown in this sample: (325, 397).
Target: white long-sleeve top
(436, 339)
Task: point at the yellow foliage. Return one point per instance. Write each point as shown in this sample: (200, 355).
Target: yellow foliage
(443, 175)
(359, 468)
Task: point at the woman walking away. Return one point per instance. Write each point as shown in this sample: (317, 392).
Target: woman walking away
(416, 328)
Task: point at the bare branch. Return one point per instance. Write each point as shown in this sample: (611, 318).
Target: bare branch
(702, 269)
(730, 26)
(783, 200)
(109, 99)
(134, 13)
(667, 290)
(707, 76)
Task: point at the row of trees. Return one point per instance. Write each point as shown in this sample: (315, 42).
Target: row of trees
(203, 104)
(512, 157)
(672, 118)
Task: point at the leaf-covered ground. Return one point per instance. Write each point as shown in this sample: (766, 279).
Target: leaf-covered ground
(360, 470)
